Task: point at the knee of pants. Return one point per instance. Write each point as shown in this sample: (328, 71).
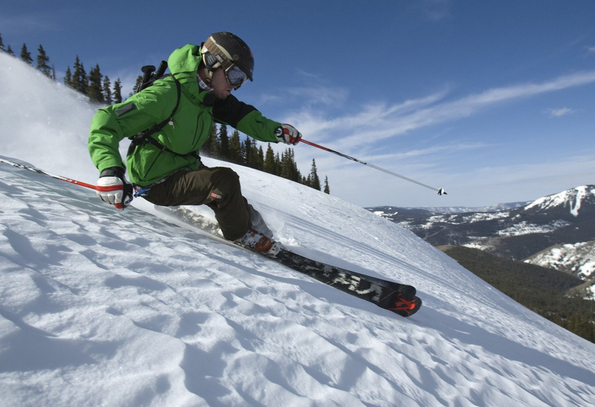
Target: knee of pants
(226, 182)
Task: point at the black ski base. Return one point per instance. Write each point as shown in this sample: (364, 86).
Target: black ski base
(395, 297)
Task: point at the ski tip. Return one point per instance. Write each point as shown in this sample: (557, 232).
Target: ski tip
(406, 308)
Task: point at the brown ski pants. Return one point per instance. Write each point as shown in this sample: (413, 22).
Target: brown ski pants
(217, 187)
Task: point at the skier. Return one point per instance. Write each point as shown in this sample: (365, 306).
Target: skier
(165, 167)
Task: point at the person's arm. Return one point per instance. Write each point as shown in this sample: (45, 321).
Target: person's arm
(140, 112)
(112, 124)
(245, 118)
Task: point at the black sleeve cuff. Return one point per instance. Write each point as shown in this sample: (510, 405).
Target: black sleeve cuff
(113, 172)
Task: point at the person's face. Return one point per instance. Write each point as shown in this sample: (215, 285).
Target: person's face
(221, 87)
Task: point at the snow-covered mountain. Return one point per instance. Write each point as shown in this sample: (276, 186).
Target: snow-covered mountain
(570, 201)
(100, 307)
(539, 231)
(577, 259)
(388, 211)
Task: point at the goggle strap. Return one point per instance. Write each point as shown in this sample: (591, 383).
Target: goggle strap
(220, 55)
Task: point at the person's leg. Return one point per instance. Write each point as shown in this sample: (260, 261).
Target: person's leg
(217, 187)
(258, 222)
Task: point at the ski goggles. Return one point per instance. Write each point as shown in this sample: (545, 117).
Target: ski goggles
(235, 76)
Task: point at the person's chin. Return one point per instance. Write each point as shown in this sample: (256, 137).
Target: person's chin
(222, 94)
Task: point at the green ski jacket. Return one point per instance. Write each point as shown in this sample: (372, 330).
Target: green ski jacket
(190, 128)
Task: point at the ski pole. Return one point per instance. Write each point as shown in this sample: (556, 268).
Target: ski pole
(440, 191)
(38, 171)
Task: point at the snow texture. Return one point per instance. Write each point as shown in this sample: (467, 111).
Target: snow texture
(107, 308)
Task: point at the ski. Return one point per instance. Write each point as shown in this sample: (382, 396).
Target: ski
(398, 298)
(395, 297)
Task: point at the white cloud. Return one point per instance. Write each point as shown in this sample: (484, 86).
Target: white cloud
(373, 122)
(441, 149)
(30, 23)
(563, 111)
(321, 95)
(434, 10)
(368, 134)
(377, 122)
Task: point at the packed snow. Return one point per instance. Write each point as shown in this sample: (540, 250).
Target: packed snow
(131, 308)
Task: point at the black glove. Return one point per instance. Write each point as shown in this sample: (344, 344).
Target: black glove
(113, 188)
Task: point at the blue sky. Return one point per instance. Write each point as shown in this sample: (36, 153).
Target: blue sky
(492, 100)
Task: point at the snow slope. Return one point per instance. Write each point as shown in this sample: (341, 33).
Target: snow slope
(99, 307)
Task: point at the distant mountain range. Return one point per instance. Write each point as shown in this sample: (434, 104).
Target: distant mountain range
(556, 231)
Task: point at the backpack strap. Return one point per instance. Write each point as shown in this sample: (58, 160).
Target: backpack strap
(145, 136)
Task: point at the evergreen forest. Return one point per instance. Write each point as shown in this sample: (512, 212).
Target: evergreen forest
(545, 291)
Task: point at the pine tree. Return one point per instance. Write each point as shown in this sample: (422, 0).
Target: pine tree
(327, 189)
(68, 77)
(289, 168)
(26, 55)
(118, 91)
(285, 165)
(235, 149)
(278, 164)
(245, 147)
(270, 165)
(223, 143)
(95, 87)
(42, 62)
(253, 155)
(8, 50)
(306, 181)
(247, 153)
(79, 78)
(211, 148)
(259, 159)
(314, 180)
(137, 85)
(107, 91)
